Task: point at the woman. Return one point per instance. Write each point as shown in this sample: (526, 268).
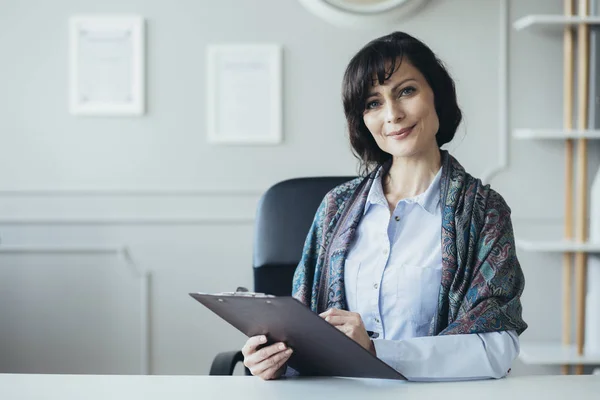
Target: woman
(417, 252)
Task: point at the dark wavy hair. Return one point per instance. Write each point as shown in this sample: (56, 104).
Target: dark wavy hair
(380, 58)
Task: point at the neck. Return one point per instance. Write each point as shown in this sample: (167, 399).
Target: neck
(411, 176)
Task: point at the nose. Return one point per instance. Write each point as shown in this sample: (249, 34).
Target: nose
(394, 112)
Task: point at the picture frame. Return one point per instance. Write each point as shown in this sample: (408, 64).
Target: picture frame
(106, 65)
(244, 94)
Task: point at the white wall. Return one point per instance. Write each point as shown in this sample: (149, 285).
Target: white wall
(184, 208)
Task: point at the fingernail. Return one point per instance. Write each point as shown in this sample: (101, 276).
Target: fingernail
(263, 339)
(282, 347)
(288, 351)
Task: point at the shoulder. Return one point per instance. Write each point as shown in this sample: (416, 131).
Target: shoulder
(343, 192)
(491, 200)
(335, 200)
(493, 208)
(485, 212)
(496, 202)
(481, 194)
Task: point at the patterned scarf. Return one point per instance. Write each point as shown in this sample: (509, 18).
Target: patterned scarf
(482, 280)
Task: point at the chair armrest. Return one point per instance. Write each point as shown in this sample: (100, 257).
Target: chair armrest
(224, 363)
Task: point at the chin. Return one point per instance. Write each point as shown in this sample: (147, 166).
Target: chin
(403, 151)
(410, 149)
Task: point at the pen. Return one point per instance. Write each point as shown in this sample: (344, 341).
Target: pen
(373, 335)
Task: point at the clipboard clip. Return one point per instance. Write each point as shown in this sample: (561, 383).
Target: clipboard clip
(243, 292)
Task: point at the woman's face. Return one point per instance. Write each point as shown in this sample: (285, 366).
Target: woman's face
(400, 114)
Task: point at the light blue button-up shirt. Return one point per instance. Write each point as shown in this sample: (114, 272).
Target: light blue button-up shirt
(392, 279)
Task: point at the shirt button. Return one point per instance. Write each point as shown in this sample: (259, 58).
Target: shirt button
(376, 286)
(377, 320)
(385, 251)
(397, 218)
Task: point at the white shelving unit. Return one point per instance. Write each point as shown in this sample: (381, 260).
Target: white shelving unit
(551, 23)
(555, 134)
(557, 246)
(555, 353)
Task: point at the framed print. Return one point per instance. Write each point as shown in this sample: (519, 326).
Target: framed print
(244, 94)
(106, 58)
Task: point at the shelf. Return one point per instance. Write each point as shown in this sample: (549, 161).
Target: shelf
(555, 354)
(557, 246)
(555, 134)
(552, 22)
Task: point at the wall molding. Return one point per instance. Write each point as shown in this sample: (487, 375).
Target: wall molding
(126, 257)
(534, 221)
(126, 207)
(130, 221)
(131, 192)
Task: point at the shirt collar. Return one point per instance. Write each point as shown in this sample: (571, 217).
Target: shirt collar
(376, 196)
(428, 200)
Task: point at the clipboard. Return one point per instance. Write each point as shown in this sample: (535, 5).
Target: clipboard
(320, 349)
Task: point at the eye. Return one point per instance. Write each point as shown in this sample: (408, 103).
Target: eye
(372, 104)
(407, 91)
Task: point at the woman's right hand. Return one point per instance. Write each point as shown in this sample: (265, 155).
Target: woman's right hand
(268, 362)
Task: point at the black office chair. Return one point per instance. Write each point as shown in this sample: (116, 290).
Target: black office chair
(285, 213)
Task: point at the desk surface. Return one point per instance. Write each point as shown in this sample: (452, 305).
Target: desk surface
(130, 387)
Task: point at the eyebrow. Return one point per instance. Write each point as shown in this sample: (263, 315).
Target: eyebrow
(371, 94)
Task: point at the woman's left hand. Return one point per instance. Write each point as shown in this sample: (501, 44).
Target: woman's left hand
(351, 324)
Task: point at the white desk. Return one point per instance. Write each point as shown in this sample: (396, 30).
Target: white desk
(95, 387)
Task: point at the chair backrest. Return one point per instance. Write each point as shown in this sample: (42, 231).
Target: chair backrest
(285, 214)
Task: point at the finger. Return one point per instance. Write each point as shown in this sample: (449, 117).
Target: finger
(252, 343)
(273, 365)
(268, 368)
(257, 357)
(345, 329)
(334, 311)
(357, 319)
(326, 313)
(339, 319)
(349, 330)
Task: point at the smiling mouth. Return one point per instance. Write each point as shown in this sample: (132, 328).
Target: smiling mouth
(402, 133)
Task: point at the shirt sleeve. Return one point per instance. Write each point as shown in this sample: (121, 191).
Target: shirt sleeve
(451, 357)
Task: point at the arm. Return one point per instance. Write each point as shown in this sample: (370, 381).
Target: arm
(491, 300)
(451, 357)
(435, 358)
(481, 339)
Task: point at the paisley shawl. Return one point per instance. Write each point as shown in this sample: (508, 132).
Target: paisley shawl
(482, 280)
